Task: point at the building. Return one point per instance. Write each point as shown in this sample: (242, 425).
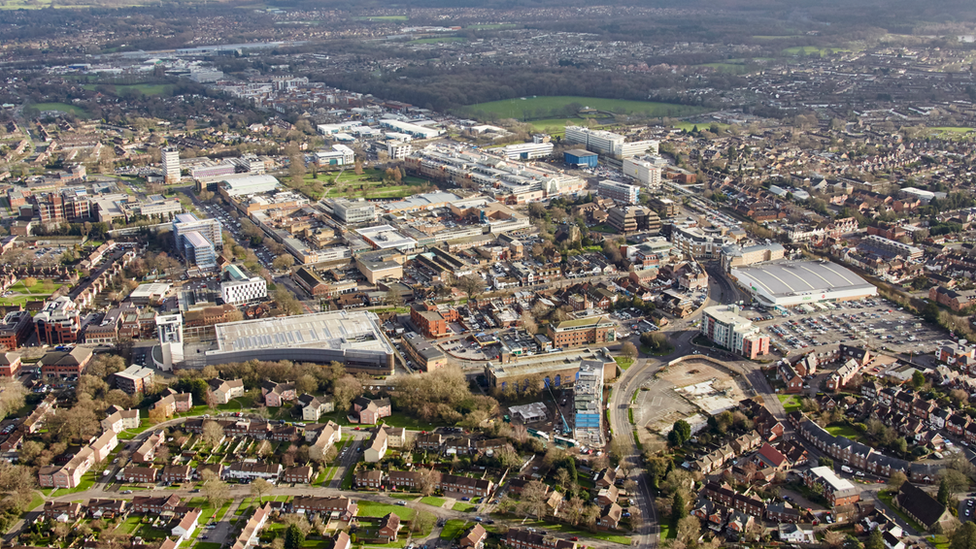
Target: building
(135, 473)
(119, 420)
(313, 407)
(921, 506)
(582, 331)
(425, 355)
(250, 534)
(367, 411)
(619, 192)
(525, 151)
(63, 364)
(173, 403)
(553, 369)
(580, 158)
(887, 248)
(134, 379)
(734, 255)
(433, 321)
(10, 364)
(222, 391)
(376, 446)
(598, 141)
(340, 155)
(250, 471)
(353, 338)
(353, 211)
(276, 394)
(171, 165)
(187, 525)
(237, 287)
(804, 282)
(58, 322)
(198, 240)
(249, 184)
(525, 539)
(647, 171)
(588, 406)
(836, 490)
(169, 331)
(724, 326)
(16, 329)
(628, 219)
(398, 150)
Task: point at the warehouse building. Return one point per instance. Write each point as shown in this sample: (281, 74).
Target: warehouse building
(804, 282)
(580, 158)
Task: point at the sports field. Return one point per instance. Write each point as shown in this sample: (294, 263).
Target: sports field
(63, 107)
(146, 89)
(552, 107)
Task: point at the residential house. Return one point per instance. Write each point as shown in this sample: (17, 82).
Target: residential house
(297, 475)
(173, 403)
(146, 452)
(388, 528)
(275, 394)
(610, 516)
(223, 391)
(369, 479)
(62, 511)
(184, 530)
(135, 473)
(313, 407)
(176, 473)
(376, 446)
(474, 538)
(251, 471)
(524, 539)
(368, 412)
(248, 538)
(156, 505)
(345, 507)
(396, 437)
(119, 420)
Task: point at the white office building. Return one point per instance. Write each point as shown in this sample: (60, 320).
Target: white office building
(171, 165)
(398, 150)
(598, 141)
(237, 287)
(340, 155)
(525, 151)
(619, 192)
(186, 223)
(249, 184)
(169, 329)
(637, 148)
(647, 170)
(414, 130)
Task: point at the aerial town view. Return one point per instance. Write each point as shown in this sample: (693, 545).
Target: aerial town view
(445, 274)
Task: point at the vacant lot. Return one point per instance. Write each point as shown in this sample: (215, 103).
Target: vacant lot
(552, 107)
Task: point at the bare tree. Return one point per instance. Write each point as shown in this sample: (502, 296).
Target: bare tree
(213, 433)
(261, 488)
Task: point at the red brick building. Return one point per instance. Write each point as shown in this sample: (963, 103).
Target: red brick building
(582, 331)
(432, 321)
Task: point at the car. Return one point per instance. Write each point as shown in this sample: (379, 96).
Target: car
(401, 503)
(574, 538)
(125, 492)
(489, 521)
(478, 519)
(195, 491)
(465, 498)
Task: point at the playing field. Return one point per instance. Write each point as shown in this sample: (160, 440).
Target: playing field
(552, 107)
(146, 89)
(62, 107)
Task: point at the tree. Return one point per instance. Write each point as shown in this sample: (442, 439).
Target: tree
(918, 380)
(875, 540)
(944, 492)
(213, 433)
(294, 537)
(283, 262)
(682, 433)
(306, 384)
(529, 324)
(423, 521)
(954, 480)
(677, 506)
(216, 491)
(30, 282)
(427, 481)
(688, 529)
(833, 538)
(345, 390)
(628, 349)
(573, 509)
(896, 480)
(963, 538)
(534, 496)
(261, 488)
(472, 285)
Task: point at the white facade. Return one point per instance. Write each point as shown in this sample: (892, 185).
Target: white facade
(169, 328)
(398, 150)
(242, 291)
(526, 151)
(415, 130)
(354, 211)
(646, 171)
(620, 192)
(340, 155)
(609, 143)
(171, 165)
(637, 148)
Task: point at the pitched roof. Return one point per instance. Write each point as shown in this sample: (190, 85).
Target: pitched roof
(919, 504)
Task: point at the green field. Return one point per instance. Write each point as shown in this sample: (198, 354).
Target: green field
(550, 107)
(813, 50)
(374, 509)
(436, 502)
(145, 89)
(464, 507)
(63, 107)
(690, 126)
(382, 18)
(774, 37)
(348, 184)
(437, 40)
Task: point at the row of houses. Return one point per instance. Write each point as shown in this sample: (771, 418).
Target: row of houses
(69, 475)
(417, 480)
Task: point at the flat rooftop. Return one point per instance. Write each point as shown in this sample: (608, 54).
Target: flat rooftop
(787, 279)
(331, 330)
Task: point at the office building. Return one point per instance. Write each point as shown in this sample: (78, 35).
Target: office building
(588, 405)
(414, 130)
(15, 329)
(171, 165)
(134, 379)
(398, 150)
(646, 170)
(353, 211)
(58, 322)
(598, 141)
(169, 329)
(197, 239)
(628, 219)
(582, 331)
(619, 192)
(526, 151)
(340, 155)
(198, 251)
(246, 184)
(725, 326)
(237, 287)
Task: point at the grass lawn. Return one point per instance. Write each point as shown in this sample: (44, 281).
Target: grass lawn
(887, 498)
(812, 50)
(145, 89)
(940, 542)
(791, 403)
(463, 507)
(690, 126)
(375, 509)
(842, 430)
(555, 126)
(436, 502)
(538, 108)
(624, 361)
(36, 501)
(437, 40)
(454, 528)
(566, 529)
(667, 532)
(63, 107)
(130, 525)
(368, 185)
(660, 352)
(493, 26)
(409, 422)
(223, 511)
